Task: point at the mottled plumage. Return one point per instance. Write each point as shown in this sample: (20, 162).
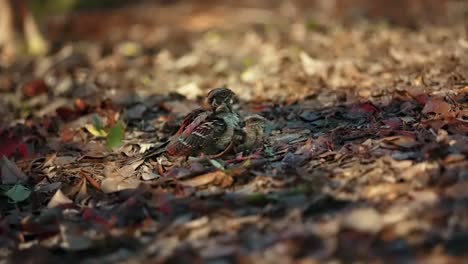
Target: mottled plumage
(213, 134)
(253, 133)
(205, 130)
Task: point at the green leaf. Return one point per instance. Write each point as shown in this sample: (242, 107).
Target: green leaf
(217, 164)
(96, 128)
(18, 193)
(97, 122)
(115, 136)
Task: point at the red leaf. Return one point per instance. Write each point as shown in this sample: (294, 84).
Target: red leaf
(368, 107)
(34, 88)
(66, 113)
(11, 147)
(437, 106)
(421, 98)
(67, 135)
(362, 110)
(457, 126)
(80, 105)
(22, 150)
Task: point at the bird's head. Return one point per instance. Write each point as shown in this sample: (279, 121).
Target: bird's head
(255, 121)
(218, 97)
(222, 108)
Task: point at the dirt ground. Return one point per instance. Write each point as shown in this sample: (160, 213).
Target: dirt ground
(365, 159)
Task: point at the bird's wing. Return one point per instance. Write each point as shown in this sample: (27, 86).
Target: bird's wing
(191, 141)
(192, 119)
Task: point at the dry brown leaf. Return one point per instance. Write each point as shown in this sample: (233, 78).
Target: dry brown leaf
(387, 191)
(458, 190)
(399, 142)
(83, 191)
(218, 177)
(58, 199)
(90, 180)
(366, 220)
(110, 185)
(421, 171)
(128, 170)
(437, 106)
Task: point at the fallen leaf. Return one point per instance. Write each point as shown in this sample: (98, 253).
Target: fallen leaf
(91, 181)
(393, 123)
(11, 146)
(80, 104)
(66, 113)
(437, 106)
(83, 191)
(366, 220)
(110, 185)
(397, 142)
(313, 66)
(67, 134)
(58, 199)
(218, 177)
(148, 175)
(34, 88)
(45, 186)
(18, 193)
(362, 110)
(217, 164)
(115, 136)
(421, 171)
(11, 174)
(126, 171)
(458, 190)
(95, 131)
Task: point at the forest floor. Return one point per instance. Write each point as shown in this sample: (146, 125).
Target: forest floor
(365, 160)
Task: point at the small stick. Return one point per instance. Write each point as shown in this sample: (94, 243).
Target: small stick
(227, 149)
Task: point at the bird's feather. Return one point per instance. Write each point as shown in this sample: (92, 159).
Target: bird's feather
(192, 119)
(202, 136)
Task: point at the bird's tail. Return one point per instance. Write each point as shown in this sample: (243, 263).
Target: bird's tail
(156, 150)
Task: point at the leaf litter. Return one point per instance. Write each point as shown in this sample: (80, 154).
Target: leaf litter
(365, 157)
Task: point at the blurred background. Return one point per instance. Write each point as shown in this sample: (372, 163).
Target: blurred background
(262, 49)
(62, 20)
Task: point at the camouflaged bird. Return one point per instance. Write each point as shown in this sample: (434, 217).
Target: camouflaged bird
(208, 135)
(205, 130)
(253, 133)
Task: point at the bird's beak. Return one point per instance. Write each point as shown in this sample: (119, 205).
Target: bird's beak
(222, 108)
